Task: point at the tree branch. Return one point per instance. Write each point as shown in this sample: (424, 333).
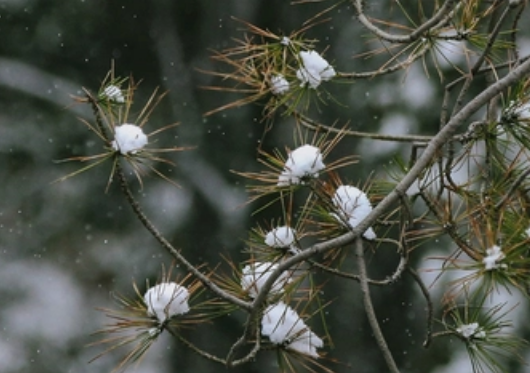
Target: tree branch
(174, 252)
(369, 308)
(439, 19)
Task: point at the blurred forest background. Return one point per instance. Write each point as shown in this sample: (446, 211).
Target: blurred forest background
(66, 248)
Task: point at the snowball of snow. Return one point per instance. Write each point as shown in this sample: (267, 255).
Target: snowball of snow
(280, 237)
(285, 41)
(256, 274)
(128, 138)
(353, 206)
(283, 326)
(166, 300)
(493, 257)
(279, 85)
(314, 69)
(305, 161)
(527, 232)
(471, 330)
(114, 93)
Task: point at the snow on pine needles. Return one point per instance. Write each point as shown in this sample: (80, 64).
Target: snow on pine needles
(353, 206)
(284, 327)
(314, 70)
(166, 300)
(128, 139)
(302, 163)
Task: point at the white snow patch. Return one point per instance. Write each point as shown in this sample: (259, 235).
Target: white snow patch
(472, 330)
(283, 326)
(314, 69)
(353, 206)
(285, 41)
(114, 93)
(492, 259)
(128, 138)
(281, 237)
(305, 161)
(279, 85)
(255, 275)
(166, 300)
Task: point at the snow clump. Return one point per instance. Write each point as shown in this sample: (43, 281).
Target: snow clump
(285, 41)
(314, 69)
(281, 237)
(493, 257)
(284, 327)
(471, 330)
(353, 206)
(166, 300)
(303, 162)
(128, 138)
(256, 274)
(279, 85)
(114, 93)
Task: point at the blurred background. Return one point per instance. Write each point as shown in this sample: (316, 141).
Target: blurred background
(66, 248)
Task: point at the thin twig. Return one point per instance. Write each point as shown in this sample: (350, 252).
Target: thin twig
(251, 325)
(439, 19)
(495, 28)
(174, 252)
(369, 308)
(515, 26)
(413, 57)
(252, 354)
(430, 308)
(316, 126)
(389, 280)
